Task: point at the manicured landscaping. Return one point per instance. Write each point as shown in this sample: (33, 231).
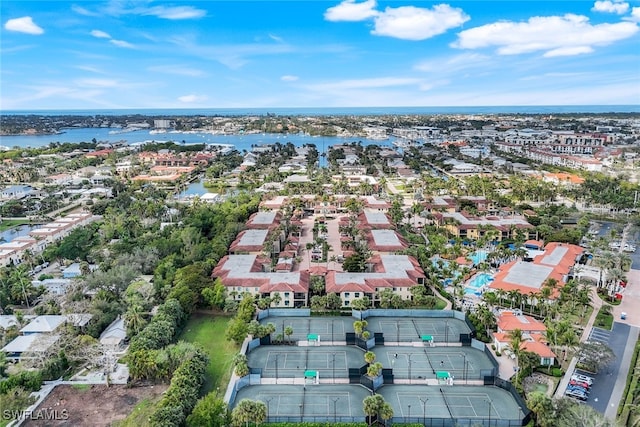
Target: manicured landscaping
(209, 332)
(604, 318)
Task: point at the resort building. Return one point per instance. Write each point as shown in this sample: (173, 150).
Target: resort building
(252, 274)
(554, 262)
(264, 220)
(532, 333)
(467, 226)
(386, 241)
(396, 272)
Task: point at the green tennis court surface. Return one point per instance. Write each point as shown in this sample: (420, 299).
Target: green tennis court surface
(408, 402)
(394, 328)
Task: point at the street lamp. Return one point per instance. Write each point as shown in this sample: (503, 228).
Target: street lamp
(424, 409)
(409, 420)
(332, 330)
(333, 364)
(398, 332)
(489, 402)
(268, 407)
(300, 406)
(446, 331)
(464, 367)
(276, 360)
(334, 400)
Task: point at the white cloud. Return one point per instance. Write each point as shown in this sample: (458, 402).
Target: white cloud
(110, 83)
(289, 78)
(190, 99)
(16, 48)
(349, 10)
(635, 14)
(568, 51)
(82, 11)
(177, 70)
(232, 56)
(89, 69)
(175, 12)
(414, 23)
(608, 6)
(454, 63)
(100, 34)
(276, 38)
(555, 35)
(23, 25)
(121, 43)
(376, 82)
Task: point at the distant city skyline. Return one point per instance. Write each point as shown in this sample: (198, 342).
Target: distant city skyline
(278, 54)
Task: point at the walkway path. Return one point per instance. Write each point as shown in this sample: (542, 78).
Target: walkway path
(439, 296)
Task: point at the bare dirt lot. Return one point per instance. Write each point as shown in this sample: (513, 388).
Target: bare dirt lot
(93, 405)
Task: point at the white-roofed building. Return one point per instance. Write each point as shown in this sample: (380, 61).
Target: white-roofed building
(28, 346)
(43, 324)
(115, 335)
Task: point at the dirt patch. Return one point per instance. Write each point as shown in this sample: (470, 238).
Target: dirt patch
(93, 406)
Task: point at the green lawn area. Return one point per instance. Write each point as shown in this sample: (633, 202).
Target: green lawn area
(140, 415)
(208, 331)
(604, 320)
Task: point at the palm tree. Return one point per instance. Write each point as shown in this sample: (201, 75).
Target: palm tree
(359, 326)
(134, 319)
(490, 298)
(369, 357)
(20, 279)
(374, 406)
(516, 341)
(514, 297)
(288, 331)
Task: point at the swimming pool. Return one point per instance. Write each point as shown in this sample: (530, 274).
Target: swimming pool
(478, 282)
(478, 257)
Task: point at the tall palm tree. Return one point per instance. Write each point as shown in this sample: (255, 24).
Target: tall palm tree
(516, 341)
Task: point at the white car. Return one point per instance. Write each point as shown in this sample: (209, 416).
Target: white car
(582, 378)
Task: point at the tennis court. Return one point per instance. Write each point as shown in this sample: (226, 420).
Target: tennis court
(395, 329)
(342, 400)
(290, 361)
(410, 403)
(326, 328)
(402, 329)
(460, 402)
(463, 363)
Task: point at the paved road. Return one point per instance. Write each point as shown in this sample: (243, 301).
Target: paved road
(608, 384)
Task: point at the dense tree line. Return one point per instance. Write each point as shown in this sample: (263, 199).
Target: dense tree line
(180, 398)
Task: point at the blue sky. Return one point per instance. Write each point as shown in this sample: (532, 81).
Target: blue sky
(243, 54)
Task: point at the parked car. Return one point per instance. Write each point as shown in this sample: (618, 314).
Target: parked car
(579, 384)
(576, 395)
(583, 378)
(578, 390)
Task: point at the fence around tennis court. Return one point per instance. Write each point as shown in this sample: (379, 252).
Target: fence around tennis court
(300, 406)
(383, 330)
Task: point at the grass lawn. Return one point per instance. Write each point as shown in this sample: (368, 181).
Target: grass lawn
(140, 414)
(208, 331)
(604, 320)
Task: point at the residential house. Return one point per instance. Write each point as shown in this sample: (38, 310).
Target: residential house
(533, 334)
